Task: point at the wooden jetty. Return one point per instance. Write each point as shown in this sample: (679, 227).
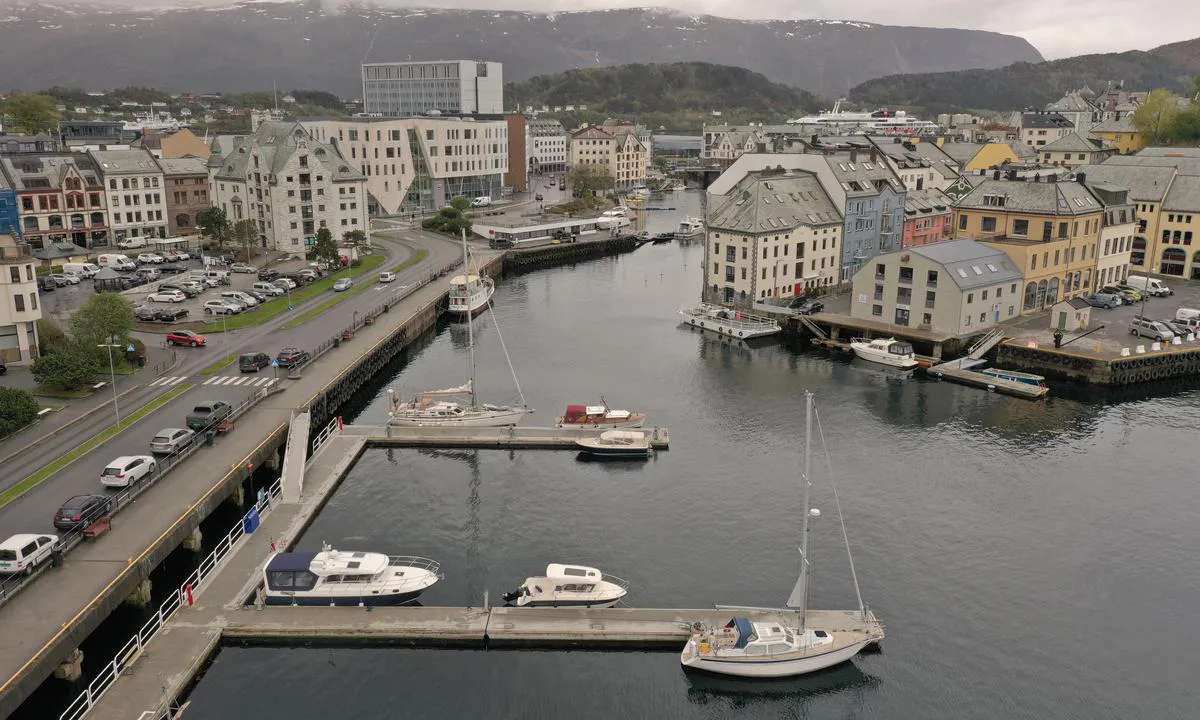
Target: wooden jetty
(960, 371)
(516, 437)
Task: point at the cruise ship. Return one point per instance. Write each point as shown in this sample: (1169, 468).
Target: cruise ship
(879, 122)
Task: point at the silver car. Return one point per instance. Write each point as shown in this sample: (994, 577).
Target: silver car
(171, 440)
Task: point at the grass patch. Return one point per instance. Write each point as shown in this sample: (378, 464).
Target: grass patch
(219, 365)
(48, 471)
(271, 308)
(355, 290)
(44, 390)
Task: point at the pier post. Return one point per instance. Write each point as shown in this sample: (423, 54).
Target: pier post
(238, 496)
(140, 597)
(70, 669)
(272, 462)
(192, 541)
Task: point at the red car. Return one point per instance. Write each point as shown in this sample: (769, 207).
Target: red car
(186, 337)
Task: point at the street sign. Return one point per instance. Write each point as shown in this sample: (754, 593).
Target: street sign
(130, 348)
(274, 362)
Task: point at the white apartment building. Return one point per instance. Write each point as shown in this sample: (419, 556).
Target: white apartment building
(19, 308)
(446, 87)
(136, 199)
(620, 153)
(420, 164)
(291, 184)
(546, 146)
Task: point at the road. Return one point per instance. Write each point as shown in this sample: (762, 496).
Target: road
(33, 511)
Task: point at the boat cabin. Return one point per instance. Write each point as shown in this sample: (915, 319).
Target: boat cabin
(293, 572)
(900, 348)
(622, 437)
(584, 414)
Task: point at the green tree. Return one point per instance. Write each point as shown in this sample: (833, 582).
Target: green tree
(1155, 117)
(17, 409)
(104, 318)
(51, 335)
(325, 249)
(214, 223)
(31, 112)
(68, 368)
(589, 180)
(1186, 127)
(354, 238)
(460, 203)
(245, 235)
(449, 220)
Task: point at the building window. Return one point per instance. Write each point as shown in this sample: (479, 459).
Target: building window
(877, 310)
(962, 222)
(878, 292)
(930, 299)
(906, 275)
(19, 301)
(880, 270)
(1020, 227)
(970, 298)
(988, 224)
(932, 278)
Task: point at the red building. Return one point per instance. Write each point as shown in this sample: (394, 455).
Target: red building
(926, 217)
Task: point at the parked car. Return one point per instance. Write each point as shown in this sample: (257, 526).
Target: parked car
(239, 297)
(186, 337)
(209, 282)
(1103, 300)
(171, 440)
(25, 552)
(173, 296)
(342, 285)
(148, 274)
(64, 279)
(268, 289)
(253, 362)
(805, 306)
(267, 274)
(176, 256)
(3, 367)
(126, 470)
(387, 277)
(208, 413)
(258, 296)
(1128, 295)
(285, 283)
(187, 288)
(243, 268)
(172, 269)
(222, 307)
(145, 313)
(172, 314)
(81, 511)
(1178, 327)
(309, 274)
(45, 284)
(150, 258)
(1149, 285)
(132, 243)
(291, 357)
(1150, 329)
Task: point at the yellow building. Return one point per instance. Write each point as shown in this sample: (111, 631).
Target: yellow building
(182, 144)
(1049, 229)
(1121, 135)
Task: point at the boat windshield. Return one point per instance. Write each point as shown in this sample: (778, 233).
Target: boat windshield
(900, 348)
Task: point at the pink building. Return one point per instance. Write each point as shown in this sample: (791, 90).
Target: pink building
(926, 217)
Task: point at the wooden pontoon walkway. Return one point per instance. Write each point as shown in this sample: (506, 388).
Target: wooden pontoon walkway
(489, 437)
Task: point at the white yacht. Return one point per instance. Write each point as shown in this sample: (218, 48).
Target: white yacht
(689, 228)
(885, 351)
(332, 577)
(470, 293)
(879, 122)
(617, 444)
(729, 322)
(569, 586)
(791, 643)
(614, 217)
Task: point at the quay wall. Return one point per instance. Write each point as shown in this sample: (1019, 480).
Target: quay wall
(1173, 361)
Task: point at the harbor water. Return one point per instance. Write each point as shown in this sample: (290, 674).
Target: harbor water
(1030, 559)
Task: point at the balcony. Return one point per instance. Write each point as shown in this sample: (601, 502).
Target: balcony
(16, 253)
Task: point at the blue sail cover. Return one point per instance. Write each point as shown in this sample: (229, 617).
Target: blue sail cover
(744, 628)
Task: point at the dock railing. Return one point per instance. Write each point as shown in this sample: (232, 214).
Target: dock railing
(184, 596)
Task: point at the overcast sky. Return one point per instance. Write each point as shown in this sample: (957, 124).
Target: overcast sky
(1057, 28)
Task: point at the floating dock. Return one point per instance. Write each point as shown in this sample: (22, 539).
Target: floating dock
(505, 438)
(960, 371)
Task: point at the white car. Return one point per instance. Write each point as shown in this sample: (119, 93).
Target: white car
(268, 289)
(286, 283)
(242, 268)
(222, 307)
(149, 258)
(176, 255)
(23, 553)
(173, 296)
(64, 279)
(126, 470)
(387, 277)
(239, 298)
(205, 280)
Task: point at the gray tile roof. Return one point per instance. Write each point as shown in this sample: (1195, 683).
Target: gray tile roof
(774, 201)
(1184, 164)
(1046, 198)
(1071, 102)
(125, 162)
(862, 175)
(961, 152)
(276, 142)
(1073, 142)
(1122, 126)
(929, 201)
(1184, 194)
(1169, 152)
(184, 166)
(968, 263)
(1145, 183)
(47, 172)
(1044, 120)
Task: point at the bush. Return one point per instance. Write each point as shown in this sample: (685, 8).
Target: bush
(51, 335)
(449, 220)
(17, 409)
(67, 368)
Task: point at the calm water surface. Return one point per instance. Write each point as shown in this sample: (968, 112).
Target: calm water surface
(1031, 560)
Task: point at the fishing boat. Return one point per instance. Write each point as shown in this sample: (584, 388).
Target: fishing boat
(470, 292)
(457, 406)
(689, 228)
(789, 643)
(598, 417)
(617, 444)
(729, 322)
(1014, 376)
(569, 586)
(333, 577)
(885, 351)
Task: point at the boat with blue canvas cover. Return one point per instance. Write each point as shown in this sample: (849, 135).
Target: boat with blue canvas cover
(333, 577)
(1015, 376)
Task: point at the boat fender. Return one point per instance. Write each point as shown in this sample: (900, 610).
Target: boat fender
(739, 333)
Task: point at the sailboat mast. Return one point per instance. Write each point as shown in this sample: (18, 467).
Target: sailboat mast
(470, 324)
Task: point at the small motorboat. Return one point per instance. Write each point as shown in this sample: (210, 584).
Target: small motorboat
(333, 577)
(689, 228)
(617, 444)
(662, 238)
(598, 417)
(885, 351)
(569, 586)
(1015, 376)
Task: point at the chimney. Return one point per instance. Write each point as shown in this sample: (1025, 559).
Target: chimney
(996, 175)
(874, 153)
(1081, 178)
(853, 155)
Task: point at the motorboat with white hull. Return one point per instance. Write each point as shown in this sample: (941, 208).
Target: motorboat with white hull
(689, 228)
(569, 586)
(333, 577)
(790, 644)
(729, 322)
(457, 406)
(598, 417)
(617, 444)
(886, 351)
(470, 294)
(613, 217)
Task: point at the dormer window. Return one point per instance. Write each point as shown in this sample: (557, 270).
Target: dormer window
(993, 200)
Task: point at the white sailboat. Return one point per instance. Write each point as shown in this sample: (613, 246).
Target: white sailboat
(458, 406)
(796, 641)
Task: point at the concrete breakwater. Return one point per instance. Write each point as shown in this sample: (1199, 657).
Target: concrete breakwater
(1171, 362)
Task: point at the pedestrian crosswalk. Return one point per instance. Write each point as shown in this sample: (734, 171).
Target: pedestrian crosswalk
(221, 380)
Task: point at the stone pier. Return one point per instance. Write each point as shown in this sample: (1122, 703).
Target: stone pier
(71, 668)
(140, 597)
(192, 542)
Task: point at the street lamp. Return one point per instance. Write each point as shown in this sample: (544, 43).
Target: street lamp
(112, 377)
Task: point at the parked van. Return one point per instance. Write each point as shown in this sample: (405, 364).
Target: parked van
(1150, 329)
(84, 270)
(482, 201)
(1149, 285)
(132, 243)
(23, 553)
(116, 261)
(1192, 322)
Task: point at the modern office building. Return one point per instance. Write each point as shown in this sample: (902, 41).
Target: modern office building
(444, 87)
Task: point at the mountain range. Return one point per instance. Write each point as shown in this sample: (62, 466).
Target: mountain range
(1025, 84)
(254, 44)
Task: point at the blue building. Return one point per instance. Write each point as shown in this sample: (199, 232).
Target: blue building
(10, 221)
(874, 207)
